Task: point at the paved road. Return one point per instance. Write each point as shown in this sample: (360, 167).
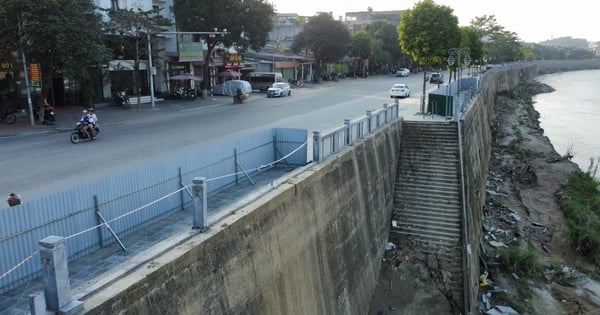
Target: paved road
(39, 160)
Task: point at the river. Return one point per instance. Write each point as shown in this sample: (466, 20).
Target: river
(570, 116)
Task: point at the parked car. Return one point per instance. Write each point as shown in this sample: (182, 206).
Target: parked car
(402, 72)
(279, 89)
(399, 90)
(436, 77)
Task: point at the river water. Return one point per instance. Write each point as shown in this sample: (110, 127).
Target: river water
(570, 116)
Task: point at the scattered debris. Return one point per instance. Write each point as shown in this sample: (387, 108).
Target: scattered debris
(497, 244)
(502, 310)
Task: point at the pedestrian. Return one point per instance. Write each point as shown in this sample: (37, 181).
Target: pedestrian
(13, 199)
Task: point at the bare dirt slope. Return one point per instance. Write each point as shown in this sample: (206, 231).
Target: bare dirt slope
(521, 210)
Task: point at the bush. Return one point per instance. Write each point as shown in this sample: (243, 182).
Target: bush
(580, 202)
(521, 261)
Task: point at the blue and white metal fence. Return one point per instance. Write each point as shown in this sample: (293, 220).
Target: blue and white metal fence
(95, 214)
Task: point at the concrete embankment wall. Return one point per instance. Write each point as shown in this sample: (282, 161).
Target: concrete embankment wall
(477, 125)
(311, 245)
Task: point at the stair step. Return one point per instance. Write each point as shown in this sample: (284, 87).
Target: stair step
(441, 212)
(420, 234)
(427, 216)
(427, 201)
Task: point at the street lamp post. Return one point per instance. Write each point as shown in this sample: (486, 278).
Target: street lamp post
(458, 52)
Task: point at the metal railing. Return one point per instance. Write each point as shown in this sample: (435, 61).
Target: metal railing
(332, 141)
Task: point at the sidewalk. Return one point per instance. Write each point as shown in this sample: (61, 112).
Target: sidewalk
(67, 116)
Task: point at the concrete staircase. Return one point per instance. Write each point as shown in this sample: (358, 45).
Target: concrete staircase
(427, 203)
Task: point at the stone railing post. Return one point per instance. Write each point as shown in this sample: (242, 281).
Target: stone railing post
(316, 146)
(348, 137)
(200, 220)
(55, 272)
(369, 123)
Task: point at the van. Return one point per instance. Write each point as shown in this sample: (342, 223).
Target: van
(261, 81)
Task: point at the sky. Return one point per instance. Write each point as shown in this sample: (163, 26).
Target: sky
(532, 20)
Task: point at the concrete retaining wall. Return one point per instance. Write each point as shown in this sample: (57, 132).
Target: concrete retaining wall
(476, 134)
(312, 245)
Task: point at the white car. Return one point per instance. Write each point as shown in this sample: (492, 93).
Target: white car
(399, 90)
(402, 72)
(279, 89)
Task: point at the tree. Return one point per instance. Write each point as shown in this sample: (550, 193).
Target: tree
(426, 32)
(64, 36)
(498, 44)
(248, 23)
(136, 25)
(325, 38)
(361, 45)
(387, 34)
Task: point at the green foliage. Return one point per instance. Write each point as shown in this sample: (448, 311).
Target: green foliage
(541, 52)
(326, 38)
(61, 35)
(387, 35)
(521, 261)
(248, 23)
(499, 45)
(580, 201)
(361, 45)
(427, 31)
(471, 40)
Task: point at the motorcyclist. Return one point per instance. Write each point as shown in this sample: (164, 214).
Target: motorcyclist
(93, 121)
(85, 122)
(238, 95)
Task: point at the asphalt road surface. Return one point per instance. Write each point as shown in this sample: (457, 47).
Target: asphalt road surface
(36, 165)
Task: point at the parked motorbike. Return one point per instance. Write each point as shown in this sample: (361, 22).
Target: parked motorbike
(121, 99)
(8, 115)
(181, 92)
(49, 115)
(297, 83)
(79, 134)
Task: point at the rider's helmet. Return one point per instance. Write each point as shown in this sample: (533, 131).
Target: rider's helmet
(91, 109)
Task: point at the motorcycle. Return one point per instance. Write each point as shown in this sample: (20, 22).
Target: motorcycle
(182, 92)
(79, 134)
(49, 115)
(238, 99)
(297, 83)
(121, 99)
(8, 115)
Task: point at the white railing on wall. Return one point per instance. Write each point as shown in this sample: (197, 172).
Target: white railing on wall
(332, 141)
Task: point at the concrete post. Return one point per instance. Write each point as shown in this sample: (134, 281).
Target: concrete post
(369, 117)
(200, 220)
(348, 137)
(316, 146)
(55, 272)
(386, 111)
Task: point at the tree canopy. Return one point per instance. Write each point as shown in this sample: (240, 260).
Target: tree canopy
(427, 31)
(61, 35)
(325, 38)
(499, 45)
(248, 23)
(387, 34)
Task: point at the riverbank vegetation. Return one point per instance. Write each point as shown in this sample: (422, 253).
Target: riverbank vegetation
(580, 201)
